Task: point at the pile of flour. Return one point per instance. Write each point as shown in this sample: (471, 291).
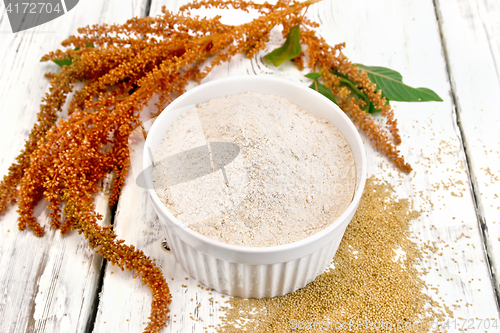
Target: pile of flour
(293, 174)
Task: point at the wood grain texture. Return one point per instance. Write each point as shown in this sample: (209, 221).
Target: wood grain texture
(471, 37)
(47, 284)
(401, 35)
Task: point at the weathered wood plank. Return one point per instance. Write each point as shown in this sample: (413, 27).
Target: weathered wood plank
(403, 36)
(47, 284)
(471, 37)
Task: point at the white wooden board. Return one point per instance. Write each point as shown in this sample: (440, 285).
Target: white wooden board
(400, 35)
(471, 31)
(47, 284)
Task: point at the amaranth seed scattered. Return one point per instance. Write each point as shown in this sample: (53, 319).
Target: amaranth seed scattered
(374, 278)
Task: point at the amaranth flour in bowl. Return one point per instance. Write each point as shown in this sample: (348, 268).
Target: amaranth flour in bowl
(254, 170)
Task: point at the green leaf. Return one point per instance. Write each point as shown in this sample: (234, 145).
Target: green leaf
(372, 108)
(63, 62)
(67, 62)
(323, 90)
(289, 50)
(314, 75)
(358, 92)
(387, 72)
(393, 88)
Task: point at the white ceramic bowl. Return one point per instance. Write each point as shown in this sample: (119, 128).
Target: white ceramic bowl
(254, 271)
